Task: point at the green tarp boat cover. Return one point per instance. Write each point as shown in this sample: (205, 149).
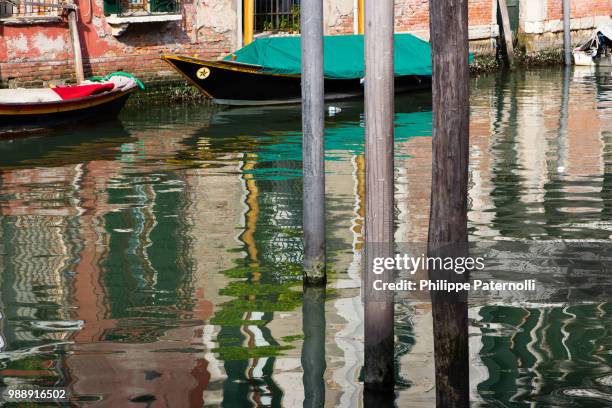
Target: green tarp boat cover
(343, 55)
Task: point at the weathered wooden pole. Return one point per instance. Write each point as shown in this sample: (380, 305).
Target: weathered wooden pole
(313, 349)
(567, 42)
(76, 45)
(448, 214)
(507, 31)
(312, 151)
(379, 115)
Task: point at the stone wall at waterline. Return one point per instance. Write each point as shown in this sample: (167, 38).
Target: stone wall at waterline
(541, 22)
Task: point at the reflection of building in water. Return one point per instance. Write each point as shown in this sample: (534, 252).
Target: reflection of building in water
(543, 179)
(272, 250)
(525, 181)
(547, 158)
(345, 203)
(413, 313)
(178, 260)
(535, 352)
(141, 292)
(38, 252)
(215, 214)
(279, 234)
(483, 120)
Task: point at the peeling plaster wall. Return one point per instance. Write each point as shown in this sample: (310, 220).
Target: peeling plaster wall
(339, 17)
(33, 53)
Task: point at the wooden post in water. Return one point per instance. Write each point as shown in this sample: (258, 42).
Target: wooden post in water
(313, 348)
(507, 31)
(448, 214)
(76, 45)
(312, 150)
(379, 115)
(567, 42)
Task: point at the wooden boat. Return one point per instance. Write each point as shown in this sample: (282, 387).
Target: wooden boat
(233, 83)
(597, 50)
(48, 107)
(267, 71)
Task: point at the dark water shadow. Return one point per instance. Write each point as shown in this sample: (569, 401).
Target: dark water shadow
(313, 350)
(68, 146)
(378, 399)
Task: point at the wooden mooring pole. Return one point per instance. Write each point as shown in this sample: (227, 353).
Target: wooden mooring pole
(379, 115)
(313, 348)
(507, 32)
(76, 45)
(567, 41)
(312, 150)
(448, 214)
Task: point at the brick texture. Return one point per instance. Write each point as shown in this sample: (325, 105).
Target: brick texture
(579, 8)
(32, 54)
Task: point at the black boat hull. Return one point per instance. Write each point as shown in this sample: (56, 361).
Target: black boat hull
(231, 83)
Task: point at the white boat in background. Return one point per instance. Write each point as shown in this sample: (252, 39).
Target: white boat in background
(597, 51)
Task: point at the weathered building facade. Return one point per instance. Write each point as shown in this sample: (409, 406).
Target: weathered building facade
(131, 35)
(541, 21)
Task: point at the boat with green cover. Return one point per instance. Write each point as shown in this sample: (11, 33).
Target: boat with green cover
(268, 71)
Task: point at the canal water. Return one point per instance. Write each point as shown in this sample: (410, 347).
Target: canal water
(155, 261)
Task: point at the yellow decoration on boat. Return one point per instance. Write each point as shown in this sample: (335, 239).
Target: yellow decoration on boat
(203, 73)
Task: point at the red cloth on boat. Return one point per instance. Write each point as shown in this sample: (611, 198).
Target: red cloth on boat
(80, 91)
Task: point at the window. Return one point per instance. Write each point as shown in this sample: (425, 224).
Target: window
(16, 9)
(277, 16)
(141, 7)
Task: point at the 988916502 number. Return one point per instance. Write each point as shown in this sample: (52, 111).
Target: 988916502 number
(36, 394)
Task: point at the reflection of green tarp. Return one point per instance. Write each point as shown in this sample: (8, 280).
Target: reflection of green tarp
(344, 56)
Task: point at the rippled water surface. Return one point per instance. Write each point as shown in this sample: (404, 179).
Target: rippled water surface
(155, 261)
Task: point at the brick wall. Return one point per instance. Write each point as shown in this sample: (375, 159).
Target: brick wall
(579, 8)
(344, 24)
(480, 12)
(31, 54)
(413, 15)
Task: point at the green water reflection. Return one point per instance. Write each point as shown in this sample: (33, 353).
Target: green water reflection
(156, 261)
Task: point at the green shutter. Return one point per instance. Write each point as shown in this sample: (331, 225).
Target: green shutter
(513, 15)
(112, 7)
(163, 6)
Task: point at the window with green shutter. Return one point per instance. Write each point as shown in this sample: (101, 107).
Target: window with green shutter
(141, 7)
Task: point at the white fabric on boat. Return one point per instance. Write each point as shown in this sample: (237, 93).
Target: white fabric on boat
(593, 42)
(120, 82)
(37, 95)
(23, 95)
